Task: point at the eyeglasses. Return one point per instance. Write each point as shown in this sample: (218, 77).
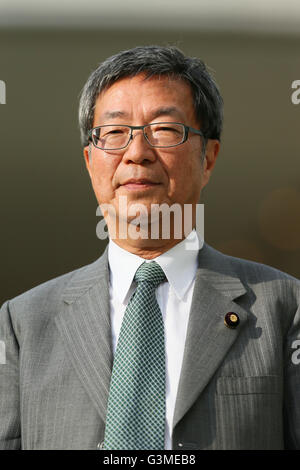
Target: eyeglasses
(157, 134)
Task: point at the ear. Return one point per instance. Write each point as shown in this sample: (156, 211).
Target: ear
(87, 157)
(212, 151)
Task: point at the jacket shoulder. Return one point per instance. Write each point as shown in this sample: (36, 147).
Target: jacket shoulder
(251, 272)
(46, 298)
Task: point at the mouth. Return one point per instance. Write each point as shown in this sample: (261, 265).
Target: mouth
(139, 184)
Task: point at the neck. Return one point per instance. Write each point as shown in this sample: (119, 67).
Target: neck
(146, 243)
(149, 240)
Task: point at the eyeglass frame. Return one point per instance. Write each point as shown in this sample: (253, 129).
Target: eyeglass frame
(187, 129)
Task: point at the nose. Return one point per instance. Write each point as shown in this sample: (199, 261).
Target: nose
(138, 149)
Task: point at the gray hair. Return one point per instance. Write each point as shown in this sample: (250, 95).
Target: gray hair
(156, 61)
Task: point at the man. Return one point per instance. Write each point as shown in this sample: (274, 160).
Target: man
(163, 342)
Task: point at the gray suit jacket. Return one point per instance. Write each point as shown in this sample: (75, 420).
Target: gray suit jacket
(239, 388)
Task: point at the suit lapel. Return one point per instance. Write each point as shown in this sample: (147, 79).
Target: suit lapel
(208, 338)
(84, 324)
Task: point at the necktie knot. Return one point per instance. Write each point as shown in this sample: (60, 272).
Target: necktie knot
(150, 272)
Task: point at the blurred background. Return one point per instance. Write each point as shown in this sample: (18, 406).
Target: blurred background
(47, 51)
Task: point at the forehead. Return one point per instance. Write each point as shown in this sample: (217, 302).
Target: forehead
(130, 95)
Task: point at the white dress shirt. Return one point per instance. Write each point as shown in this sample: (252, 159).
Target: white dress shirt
(174, 298)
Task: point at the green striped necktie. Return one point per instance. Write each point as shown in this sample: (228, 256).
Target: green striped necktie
(136, 403)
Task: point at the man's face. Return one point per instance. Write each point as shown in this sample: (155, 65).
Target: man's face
(176, 173)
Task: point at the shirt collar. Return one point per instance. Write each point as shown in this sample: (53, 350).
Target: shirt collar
(180, 264)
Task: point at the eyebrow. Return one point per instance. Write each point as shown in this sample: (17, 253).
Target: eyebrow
(163, 110)
(114, 114)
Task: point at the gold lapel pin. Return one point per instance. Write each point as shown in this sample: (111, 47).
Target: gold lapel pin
(231, 320)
